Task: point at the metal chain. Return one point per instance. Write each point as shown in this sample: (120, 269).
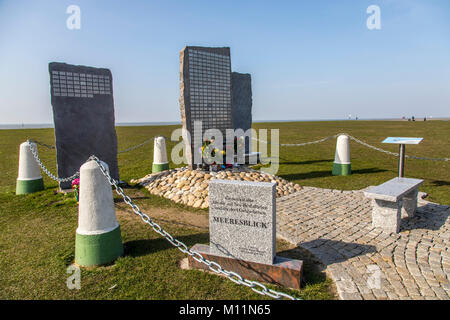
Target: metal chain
(299, 144)
(51, 175)
(121, 151)
(307, 143)
(43, 144)
(356, 140)
(394, 153)
(141, 144)
(213, 266)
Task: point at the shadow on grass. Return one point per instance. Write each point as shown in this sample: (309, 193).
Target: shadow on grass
(326, 173)
(138, 248)
(440, 183)
(119, 200)
(305, 162)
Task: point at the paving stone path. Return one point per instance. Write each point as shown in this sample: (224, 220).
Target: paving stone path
(365, 262)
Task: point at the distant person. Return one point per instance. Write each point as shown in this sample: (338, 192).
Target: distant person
(424, 118)
(413, 119)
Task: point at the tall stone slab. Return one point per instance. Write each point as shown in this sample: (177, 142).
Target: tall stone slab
(83, 113)
(241, 88)
(205, 92)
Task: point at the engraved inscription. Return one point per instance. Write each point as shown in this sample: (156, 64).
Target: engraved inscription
(242, 220)
(80, 85)
(210, 89)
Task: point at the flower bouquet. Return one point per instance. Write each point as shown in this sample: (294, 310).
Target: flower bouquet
(209, 151)
(76, 187)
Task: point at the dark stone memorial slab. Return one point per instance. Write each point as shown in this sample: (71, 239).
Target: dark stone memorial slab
(205, 92)
(83, 113)
(241, 88)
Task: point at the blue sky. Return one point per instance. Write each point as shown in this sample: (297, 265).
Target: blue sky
(308, 59)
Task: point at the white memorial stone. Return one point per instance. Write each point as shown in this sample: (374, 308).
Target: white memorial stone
(242, 220)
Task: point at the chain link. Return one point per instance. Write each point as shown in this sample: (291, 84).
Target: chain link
(356, 140)
(308, 143)
(43, 144)
(51, 175)
(213, 266)
(394, 153)
(141, 144)
(283, 145)
(121, 151)
(298, 144)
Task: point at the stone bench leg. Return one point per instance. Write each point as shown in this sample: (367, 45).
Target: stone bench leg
(386, 215)
(410, 204)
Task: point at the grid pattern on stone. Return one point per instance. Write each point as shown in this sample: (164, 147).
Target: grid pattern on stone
(210, 89)
(82, 85)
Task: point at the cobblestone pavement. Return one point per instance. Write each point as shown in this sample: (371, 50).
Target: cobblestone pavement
(365, 262)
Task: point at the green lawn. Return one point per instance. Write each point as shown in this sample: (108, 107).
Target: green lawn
(311, 165)
(37, 231)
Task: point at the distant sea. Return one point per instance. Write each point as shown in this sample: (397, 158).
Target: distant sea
(166, 123)
(50, 125)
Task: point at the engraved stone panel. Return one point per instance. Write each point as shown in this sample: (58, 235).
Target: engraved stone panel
(242, 220)
(205, 90)
(83, 113)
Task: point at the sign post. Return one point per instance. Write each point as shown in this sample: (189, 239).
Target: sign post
(401, 141)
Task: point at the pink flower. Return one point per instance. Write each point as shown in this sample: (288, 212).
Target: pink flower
(76, 182)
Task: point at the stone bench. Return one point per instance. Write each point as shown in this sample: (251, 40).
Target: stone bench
(393, 200)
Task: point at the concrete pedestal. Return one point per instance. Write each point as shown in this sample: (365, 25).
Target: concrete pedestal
(386, 215)
(160, 162)
(341, 164)
(29, 178)
(410, 204)
(98, 240)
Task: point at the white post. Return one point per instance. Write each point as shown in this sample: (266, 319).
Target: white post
(29, 178)
(160, 162)
(98, 240)
(341, 165)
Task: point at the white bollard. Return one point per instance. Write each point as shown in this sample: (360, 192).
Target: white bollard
(160, 162)
(98, 240)
(29, 178)
(341, 165)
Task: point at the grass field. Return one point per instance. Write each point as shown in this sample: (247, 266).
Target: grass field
(37, 231)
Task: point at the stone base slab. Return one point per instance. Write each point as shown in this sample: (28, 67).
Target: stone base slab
(283, 272)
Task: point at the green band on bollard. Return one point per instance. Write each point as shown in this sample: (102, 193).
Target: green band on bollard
(341, 169)
(29, 186)
(98, 249)
(158, 167)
